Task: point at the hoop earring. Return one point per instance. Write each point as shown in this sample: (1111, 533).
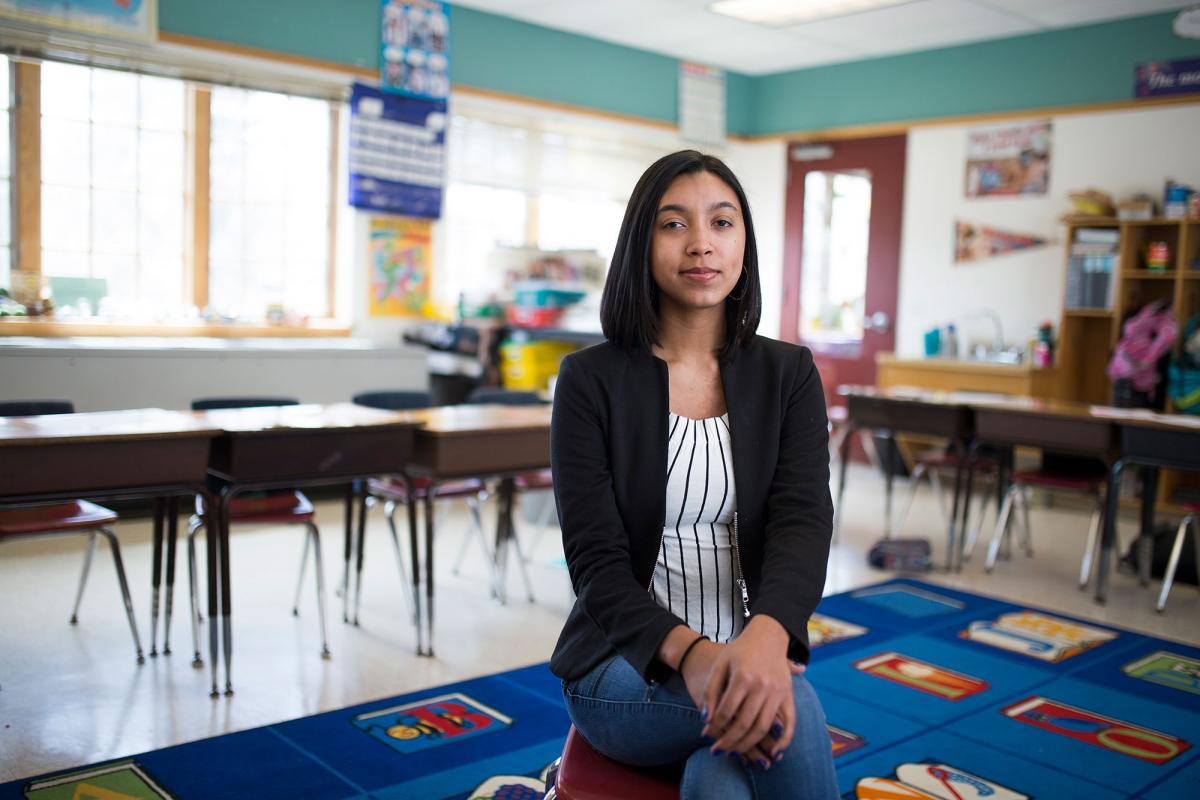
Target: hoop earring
(743, 294)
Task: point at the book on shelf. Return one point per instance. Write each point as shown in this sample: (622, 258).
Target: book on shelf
(1091, 261)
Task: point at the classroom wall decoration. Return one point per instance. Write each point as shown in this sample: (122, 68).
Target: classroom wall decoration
(126, 19)
(414, 58)
(1008, 160)
(974, 242)
(401, 259)
(397, 153)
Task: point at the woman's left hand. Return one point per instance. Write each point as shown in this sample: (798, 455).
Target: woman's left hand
(749, 690)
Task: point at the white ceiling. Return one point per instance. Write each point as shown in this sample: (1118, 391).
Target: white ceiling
(686, 29)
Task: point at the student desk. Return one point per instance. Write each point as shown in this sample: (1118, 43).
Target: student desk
(470, 441)
(942, 414)
(1056, 425)
(284, 447)
(136, 453)
(1151, 441)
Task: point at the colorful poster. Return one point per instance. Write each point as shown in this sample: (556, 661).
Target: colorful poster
(1008, 160)
(1095, 729)
(123, 19)
(1167, 669)
(401, 260)
(397, 153)
(415, 52)
(431, 722)
(1037, 635)
(1164, 78)
(976, 242)
(921, 676)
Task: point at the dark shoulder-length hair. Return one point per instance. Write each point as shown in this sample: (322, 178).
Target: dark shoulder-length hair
(629, 305)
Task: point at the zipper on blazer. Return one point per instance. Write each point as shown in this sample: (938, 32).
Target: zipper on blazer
(661, 541)
(738, 578)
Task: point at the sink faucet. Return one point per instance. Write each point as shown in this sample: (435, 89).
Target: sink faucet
(997, 325)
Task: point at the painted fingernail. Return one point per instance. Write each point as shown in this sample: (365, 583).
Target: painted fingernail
(779, 757)
(718, 752)
(707, 739)
(764, 764)
(776, 730)
(704, 714)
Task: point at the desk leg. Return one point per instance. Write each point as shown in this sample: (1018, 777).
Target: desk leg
(1145, 541)
(958, 537)
(415, 560)
(889, 483)
(429, 496)
(214, 507)
(843, 460)
(226, 595)
(1108, 539)
(505, 533)
(172, 535)
(347, 550)
(955, 503)
(360, 543)
(156, 573)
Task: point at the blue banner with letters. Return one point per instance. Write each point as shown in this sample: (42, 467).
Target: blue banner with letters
(397, 153)
(1162, 78)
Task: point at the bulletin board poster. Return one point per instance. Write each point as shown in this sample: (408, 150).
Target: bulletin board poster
(1008, 160)
(401, 260)
(397, 153)
(1165, 78)
(414, 58)
(122, 19)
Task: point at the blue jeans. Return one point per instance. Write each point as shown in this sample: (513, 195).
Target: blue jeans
(651, 724)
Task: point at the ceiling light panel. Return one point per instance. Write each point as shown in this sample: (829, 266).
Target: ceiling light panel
(782, 13)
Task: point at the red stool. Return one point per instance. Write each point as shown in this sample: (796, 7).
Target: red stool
(584, 774)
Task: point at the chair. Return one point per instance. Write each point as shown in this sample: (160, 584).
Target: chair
(1190, 522)
(930, 465)
(1058, 474)
(74, 517)
(584, 774)
(538, 481)
(393, 491)
(275, 507)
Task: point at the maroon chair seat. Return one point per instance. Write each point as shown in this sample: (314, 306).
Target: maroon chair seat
(584, 774)
(1048, 480)
(70, 516)
(943, 460)
(277, 508)
(393, 488)
(535, 481)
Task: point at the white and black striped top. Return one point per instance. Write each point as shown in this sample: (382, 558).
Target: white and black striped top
(694, 575)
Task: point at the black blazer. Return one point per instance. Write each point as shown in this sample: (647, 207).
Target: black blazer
(608, 450)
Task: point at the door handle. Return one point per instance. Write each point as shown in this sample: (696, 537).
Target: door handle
(879, 322)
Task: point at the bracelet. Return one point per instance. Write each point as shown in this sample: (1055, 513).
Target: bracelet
(688, 651)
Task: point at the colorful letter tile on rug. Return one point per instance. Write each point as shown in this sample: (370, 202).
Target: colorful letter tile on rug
(929, 693)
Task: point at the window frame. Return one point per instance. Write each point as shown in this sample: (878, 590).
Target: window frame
(26, 244)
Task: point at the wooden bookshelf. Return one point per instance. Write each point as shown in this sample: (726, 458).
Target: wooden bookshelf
(1088, 336)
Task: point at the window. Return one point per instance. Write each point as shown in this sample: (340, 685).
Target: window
(523, 178)
(270, 203)
(112, 186)
(6, 194)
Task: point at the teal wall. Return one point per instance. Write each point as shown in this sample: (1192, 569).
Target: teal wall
(487, 52)
(1091, 64)
(1073, 66)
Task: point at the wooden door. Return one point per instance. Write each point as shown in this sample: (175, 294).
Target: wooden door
(842, 252)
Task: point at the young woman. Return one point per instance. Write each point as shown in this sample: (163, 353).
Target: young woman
(692, 480)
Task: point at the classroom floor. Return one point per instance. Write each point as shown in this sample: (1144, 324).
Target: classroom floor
(74, 695)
